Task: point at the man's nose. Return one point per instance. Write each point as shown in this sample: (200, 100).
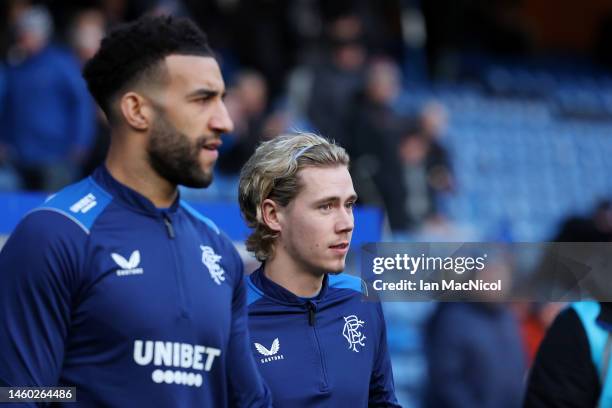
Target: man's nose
(220, 121)
(346, 221)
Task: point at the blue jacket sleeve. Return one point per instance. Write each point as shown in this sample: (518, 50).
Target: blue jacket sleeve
(38, 275)
(382, 387)
(246, 385)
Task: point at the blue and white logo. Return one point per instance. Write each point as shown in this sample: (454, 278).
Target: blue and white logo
(128, 267)
(352, 332)
(211, 260)
(271, 354)
(84, 204)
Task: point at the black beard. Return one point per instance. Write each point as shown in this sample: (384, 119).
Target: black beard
(174, 157)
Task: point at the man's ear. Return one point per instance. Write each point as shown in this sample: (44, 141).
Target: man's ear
(136, 111)
(272, 216)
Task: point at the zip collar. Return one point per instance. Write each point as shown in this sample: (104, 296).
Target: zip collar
(279, 294)
(128, 197)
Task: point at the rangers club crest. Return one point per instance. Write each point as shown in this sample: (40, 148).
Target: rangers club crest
(211, 261)
(352, 332)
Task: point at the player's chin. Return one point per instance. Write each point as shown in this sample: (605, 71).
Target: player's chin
(207, 164)
(206, 172)
(199, 179)
(336, 266)
(207, 167)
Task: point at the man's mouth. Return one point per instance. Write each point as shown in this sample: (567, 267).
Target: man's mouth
(212, 145)
(341, 245)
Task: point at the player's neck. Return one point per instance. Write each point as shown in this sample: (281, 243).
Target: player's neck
(284, 271)
(129, 166)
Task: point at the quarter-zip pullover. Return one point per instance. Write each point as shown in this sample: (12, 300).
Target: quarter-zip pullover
(133, 305)
(326, 351)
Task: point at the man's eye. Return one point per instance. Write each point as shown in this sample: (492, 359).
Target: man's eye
(350, 204)
(326, 207)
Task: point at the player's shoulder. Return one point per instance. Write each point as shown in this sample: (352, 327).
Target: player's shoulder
(348, 282)
(350, 293)
(253, 293)
(79, 204)
(200, 218)
(208, 227)
(216, 240)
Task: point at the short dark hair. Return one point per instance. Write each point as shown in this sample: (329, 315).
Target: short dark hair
(134, 50)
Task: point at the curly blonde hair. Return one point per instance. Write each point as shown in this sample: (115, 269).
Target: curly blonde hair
(273, 172)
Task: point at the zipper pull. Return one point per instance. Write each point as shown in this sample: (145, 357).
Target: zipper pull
(311, 313)
(169, 226)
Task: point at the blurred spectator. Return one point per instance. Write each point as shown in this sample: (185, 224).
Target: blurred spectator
(47, 120)
(571, 368)
(381, 27)
(87, 29)
(261, 37)
(277, 122)
(337, 80)
(475, 357)
(474, 350)
(8, 177)
(247, 101)
(536, 318)
(595, 228)
(374, 140)
(573, 379)
(427, 171)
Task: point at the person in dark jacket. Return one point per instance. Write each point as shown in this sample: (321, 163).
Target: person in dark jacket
(571, 368)
(374, 129)
(475, 357)
(47, 119)
(297, 195)
(568, 370)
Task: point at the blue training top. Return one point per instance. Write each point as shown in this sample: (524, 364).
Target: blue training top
(328, 351)
(133, 305)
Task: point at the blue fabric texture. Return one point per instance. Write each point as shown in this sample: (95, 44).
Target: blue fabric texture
(326, 351)
(132, 305)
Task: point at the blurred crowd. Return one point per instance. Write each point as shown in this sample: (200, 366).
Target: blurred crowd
(333, 67)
